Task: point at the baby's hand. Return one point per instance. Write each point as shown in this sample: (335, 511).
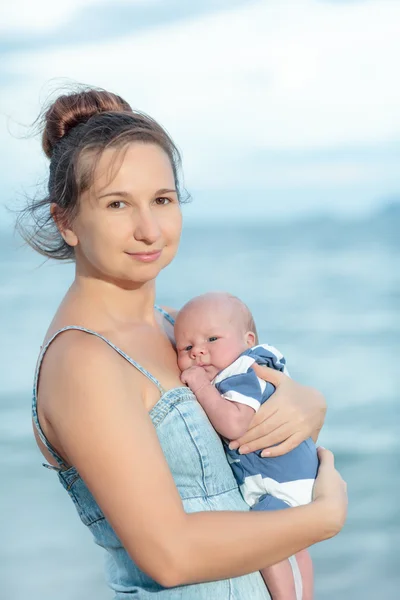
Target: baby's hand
(196, 378)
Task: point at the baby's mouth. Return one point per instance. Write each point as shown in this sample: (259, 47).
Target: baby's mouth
(204, 365)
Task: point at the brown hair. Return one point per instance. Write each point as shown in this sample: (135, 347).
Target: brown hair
(75, 126)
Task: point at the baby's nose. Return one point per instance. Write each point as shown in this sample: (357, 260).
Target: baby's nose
(197, 351)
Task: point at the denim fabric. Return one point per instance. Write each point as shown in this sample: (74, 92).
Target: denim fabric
(204, 480)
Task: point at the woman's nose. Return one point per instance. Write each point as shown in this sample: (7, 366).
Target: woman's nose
(146, 227)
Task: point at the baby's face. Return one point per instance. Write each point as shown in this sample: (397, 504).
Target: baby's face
(208, 338)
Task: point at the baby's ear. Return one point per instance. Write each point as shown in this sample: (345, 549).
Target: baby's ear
(250, 338)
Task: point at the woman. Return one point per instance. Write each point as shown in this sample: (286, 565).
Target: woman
(132, 447)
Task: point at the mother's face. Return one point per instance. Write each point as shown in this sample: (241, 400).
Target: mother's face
(129, 221)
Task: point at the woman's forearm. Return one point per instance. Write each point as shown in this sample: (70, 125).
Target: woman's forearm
(220, 545)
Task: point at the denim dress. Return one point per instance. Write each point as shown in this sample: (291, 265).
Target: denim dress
(202, 476)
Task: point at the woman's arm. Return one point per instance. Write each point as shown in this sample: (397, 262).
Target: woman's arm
(292, 414)
(106, 433)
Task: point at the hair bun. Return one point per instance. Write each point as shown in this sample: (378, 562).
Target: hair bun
(72, 109)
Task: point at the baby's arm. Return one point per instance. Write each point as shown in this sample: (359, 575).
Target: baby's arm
(229, 419)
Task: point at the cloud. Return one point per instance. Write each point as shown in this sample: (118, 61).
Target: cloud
(281, 76)
(39, 16)
(33, 27)
(317, 74)
(46, 15)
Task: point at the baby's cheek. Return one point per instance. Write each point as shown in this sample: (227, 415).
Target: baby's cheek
(183, 362)
(229, 353)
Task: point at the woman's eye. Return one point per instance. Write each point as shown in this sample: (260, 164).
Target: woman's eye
(116, 204)
(212, 339)
(162, 201)
(188, 348)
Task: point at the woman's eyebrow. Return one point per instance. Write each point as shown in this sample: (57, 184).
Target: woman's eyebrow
(126, 194)
(165, 191)
(122, 194)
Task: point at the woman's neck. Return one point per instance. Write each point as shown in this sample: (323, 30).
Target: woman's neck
(114, 302)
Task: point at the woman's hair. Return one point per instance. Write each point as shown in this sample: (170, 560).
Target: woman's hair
(77, 128)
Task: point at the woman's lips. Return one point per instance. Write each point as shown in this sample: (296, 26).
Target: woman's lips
(145, 256)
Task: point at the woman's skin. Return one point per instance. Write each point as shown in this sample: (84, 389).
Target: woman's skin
(93, 406)
(301, 416)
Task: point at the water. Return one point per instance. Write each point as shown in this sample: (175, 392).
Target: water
(327, 294)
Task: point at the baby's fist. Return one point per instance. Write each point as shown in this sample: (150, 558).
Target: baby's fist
(195, 377)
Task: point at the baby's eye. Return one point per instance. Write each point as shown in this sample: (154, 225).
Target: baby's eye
(188, 348)
(116, 204)
(212, 338)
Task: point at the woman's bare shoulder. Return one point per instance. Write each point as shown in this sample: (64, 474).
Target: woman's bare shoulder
(70, 346)
(76, 362)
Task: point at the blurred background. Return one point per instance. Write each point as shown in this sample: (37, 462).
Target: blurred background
(288, 117)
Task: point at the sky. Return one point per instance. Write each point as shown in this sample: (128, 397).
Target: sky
(281, 108)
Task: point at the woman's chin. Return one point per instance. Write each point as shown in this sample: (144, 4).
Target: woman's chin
(146, 270)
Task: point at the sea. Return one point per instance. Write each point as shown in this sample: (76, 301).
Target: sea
(326, 292)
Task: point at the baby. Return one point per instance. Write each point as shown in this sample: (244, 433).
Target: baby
(217, 344)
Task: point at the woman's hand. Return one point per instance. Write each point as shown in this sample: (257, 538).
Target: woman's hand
(291, 415)
(330, 489)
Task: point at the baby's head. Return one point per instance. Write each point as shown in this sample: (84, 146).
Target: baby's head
(212, 330)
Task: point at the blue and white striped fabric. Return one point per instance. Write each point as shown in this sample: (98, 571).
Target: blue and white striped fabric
(266, 483)
(239, 383)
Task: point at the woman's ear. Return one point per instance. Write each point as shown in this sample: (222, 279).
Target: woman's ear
(61, 222)
(250, 338)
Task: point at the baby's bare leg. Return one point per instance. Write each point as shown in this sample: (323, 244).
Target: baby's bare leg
(305, 565)
(280, 581)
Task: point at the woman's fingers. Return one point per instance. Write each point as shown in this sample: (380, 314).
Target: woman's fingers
(267, 442)
(326, 457)
(290, 444)
(328, 476)
(268, 374)
(330, 488)
(267, 414)
(253, 436)
(267, 421)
